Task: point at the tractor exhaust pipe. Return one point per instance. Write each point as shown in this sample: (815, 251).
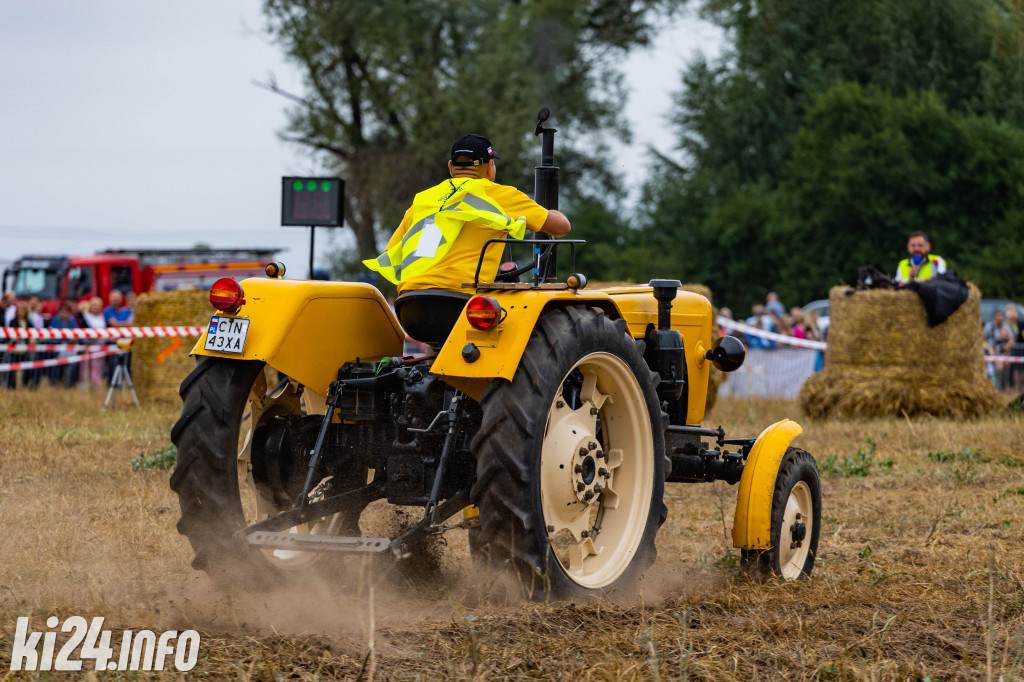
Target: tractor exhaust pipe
(545, 176)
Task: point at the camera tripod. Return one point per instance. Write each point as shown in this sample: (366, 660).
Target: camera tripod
(121, 378)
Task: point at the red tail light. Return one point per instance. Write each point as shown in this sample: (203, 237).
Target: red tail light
(483, 312)
(226, 295)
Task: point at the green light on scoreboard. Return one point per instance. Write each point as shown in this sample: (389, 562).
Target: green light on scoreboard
(310, 202)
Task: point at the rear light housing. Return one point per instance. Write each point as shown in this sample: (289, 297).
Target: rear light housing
(484, 313)
(226, 295)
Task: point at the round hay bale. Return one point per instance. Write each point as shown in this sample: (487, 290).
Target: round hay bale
(158, 368)
(884, 360)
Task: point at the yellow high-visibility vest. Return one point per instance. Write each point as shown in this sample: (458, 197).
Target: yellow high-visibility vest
(926, 271)
(438, 216)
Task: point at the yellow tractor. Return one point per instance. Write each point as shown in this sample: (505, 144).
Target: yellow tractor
(549, 415)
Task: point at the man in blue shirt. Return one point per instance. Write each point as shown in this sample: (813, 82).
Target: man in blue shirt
(116, 314)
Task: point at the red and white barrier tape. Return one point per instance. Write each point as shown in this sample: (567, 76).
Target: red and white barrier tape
(54, 362)
(733, 325)
(107, 333)
(48, 348)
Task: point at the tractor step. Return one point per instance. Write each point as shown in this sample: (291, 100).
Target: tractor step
(298, 542)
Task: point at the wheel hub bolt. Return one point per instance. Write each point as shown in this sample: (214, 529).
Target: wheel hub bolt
(598, 489)
(580, 486)
(583, 452)
(589, 495)
(592, 445)
(578, 468)
(799, 532)
(604, 473)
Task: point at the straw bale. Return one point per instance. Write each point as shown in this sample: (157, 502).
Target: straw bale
(157, 380)
(884, 360)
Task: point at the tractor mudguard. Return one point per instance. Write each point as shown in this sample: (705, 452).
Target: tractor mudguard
(751, 528)
(501, 349)
(308, 330)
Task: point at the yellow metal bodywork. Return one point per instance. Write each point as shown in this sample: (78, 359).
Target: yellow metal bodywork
(307, 330)
(752, 527)
(310, 329)
(502, 348)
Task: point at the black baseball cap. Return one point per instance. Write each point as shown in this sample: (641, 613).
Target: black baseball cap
(476, 147)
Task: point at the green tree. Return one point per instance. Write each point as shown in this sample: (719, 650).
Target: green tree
(389, 84)
(740, 212)
(868, 168)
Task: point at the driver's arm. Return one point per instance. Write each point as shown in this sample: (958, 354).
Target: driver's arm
(556, 224)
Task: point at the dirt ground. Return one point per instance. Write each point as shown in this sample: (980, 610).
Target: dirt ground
(920, 572)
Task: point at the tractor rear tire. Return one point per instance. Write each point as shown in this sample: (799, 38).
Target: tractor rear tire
(223, 402)
(571, 461)
(796, 520)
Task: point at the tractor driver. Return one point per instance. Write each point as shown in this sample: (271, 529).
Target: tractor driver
(438, 243)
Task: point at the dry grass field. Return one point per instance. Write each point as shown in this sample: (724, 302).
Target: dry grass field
(920, 573)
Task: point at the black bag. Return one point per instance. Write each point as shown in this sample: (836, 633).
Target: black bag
(942, 295)
(870, 277)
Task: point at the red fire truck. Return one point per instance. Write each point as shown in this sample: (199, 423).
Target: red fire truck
(55, 279)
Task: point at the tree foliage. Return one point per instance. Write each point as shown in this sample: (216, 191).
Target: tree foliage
(829, 131)
(389, 84)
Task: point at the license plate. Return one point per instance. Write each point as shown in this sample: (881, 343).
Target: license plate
(227, 334)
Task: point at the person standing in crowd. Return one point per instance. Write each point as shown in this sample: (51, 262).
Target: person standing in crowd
(117, 314)
(1012, 319)
(130, 299)
(7, 307)
(92, 370)
(64, 319)
(774, 306)
(998, 341)
(796, 316)
(35, 312)
(760, 320)
(921, 264)
(21, 320)
(811, 328)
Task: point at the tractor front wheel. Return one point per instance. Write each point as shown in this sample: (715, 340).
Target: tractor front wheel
(795, 519)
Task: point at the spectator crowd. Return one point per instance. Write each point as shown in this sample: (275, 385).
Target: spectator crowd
(771, 316)
(1004, 336)
(89, 314)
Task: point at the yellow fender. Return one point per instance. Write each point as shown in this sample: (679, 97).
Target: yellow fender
(309, 329)
(753, 524)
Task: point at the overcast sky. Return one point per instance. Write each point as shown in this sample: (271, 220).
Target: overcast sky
(132, 124)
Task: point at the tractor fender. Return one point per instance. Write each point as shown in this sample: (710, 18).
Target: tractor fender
(752, 526)
(470, 359)
(308, 329)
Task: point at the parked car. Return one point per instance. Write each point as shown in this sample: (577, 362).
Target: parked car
(989, 306)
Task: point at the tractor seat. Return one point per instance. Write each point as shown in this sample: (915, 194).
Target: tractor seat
(428, 315)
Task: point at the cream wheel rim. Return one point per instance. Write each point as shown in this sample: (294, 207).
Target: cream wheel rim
(263, 405)
(796, 532)
(597, 470)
